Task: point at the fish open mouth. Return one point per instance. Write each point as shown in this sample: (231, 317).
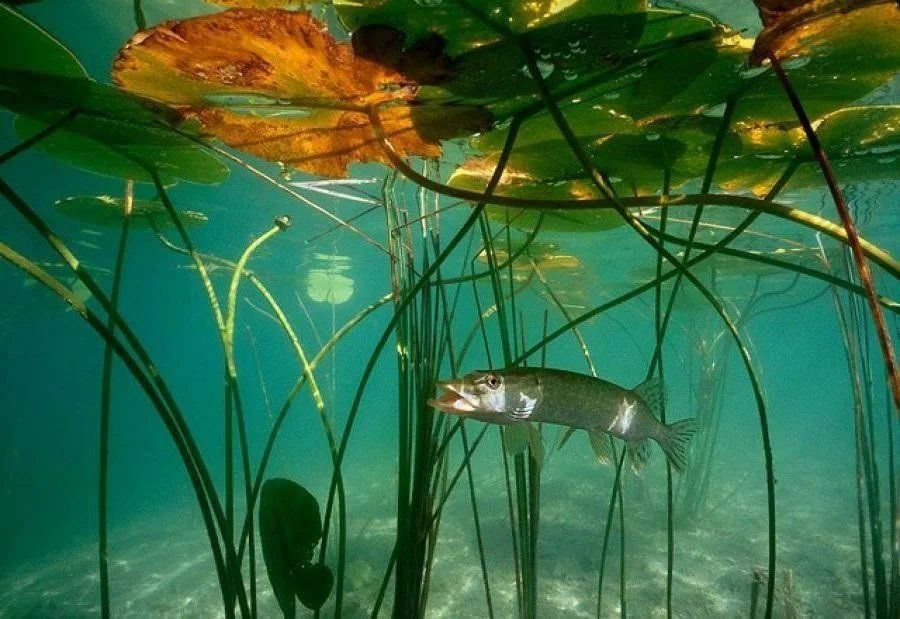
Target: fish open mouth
(454, 399)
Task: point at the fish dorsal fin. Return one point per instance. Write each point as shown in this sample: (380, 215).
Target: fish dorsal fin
(653, 393)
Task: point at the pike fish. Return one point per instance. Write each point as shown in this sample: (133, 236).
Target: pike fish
(579, 401)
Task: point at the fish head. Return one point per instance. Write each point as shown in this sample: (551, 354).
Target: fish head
(496, 396)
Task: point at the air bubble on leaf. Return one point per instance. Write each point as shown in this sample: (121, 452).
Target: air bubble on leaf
(545, 68)
(751, 72)
(796, 63)
(652, 137)
(716, 111)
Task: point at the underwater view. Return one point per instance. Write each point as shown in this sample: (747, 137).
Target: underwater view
(450, 308)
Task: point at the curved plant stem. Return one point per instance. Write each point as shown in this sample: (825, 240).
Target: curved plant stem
(147, 378)
(798, 216)
(232, 406)
(307, 375)
(853, 239)
(139, 19)
(602, 185)
(164, 402)
(106, 389)
(379, 346)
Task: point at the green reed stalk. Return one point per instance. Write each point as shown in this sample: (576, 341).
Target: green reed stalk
(232, 397)
(105, 391)
(232, 406)
(140, 368)
(851, 344)
(602, 184)
(610, 512)
(526, 469)
(477, 521)
(401, 304)
(853, 239)
(658, 356)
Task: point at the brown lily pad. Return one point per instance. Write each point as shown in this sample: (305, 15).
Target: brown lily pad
(261, 4)
(801, 27)
(276, 84)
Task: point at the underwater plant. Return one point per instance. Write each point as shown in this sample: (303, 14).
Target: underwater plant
(599, 185)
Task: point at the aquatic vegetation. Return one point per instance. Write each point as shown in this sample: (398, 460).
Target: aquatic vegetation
(327, 280)
(109, 211)
(692, 160)
(290, 527)
(278, 85)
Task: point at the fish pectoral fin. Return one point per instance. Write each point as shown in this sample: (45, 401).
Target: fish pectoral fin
(601, 443)
(515, 438)
(519, 436)
(638, 453)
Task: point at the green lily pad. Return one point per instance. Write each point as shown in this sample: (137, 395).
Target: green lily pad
(114, 136)
(25, 46)
(111, 134)
(832, 61)
(108, 211)
(34, 66)
(862, 143)
(476, 24)
(290, 527)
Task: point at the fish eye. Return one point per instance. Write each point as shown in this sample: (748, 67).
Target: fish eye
(493, 381)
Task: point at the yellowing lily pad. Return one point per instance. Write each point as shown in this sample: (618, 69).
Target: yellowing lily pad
(276, 84)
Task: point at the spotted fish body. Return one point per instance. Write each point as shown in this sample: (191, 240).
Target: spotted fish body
(579, 401)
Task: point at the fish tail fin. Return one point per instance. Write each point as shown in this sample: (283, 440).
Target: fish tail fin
(638, 453)
(674, 439)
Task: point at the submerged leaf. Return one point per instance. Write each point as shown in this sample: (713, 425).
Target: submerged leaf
(276, 84)
(290, 527)
(328, 280)
(108, 211)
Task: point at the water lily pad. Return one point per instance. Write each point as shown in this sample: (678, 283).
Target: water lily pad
(111, 135)
(108, 211)
(328, 280)
(277, 84)
(33, 63)
(474, 24)
(833, 58)
(862, 143)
